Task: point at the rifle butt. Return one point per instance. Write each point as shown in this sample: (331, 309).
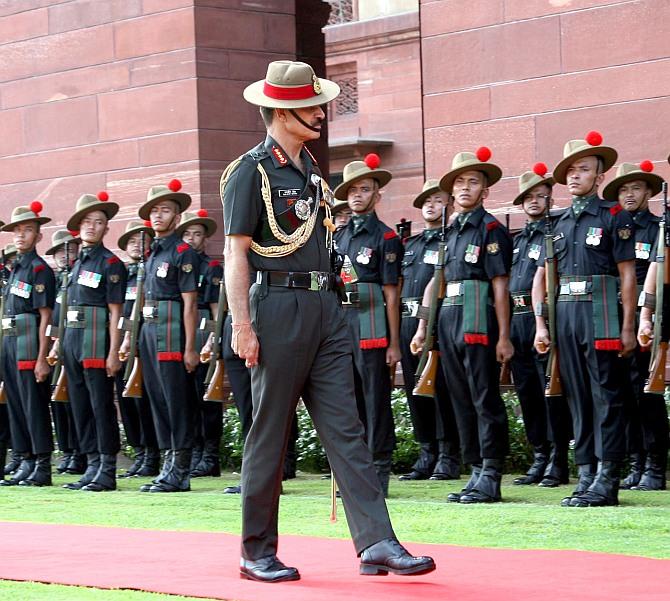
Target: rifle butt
(425, 385)
(656, 382)
(60, 392)
(554, 386)
(214, 392)
(133, 387)
(3, 394)
(506, 374)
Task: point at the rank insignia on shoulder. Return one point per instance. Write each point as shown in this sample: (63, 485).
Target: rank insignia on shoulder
(493, 248)
(39, 288)
(390, 257)
(279, 155)
(187, 267)
(625, 233)
(115, 278)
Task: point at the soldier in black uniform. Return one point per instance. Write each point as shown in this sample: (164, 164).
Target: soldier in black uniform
(546, 420)
(432, 419)
(195, 229)
(290, 327)
(28, 301)
(474, 323)
(168, 336)
(91, 340)
(72, 461)
(341, 214)
(646, 414)
(375, 253)
(593, 244)
(136, 412)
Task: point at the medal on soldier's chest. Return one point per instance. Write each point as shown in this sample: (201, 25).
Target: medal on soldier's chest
(594, 235)
(303, 208)
(534, 251)
(472, 253)
(364, 255)
(430, 257)
(21, 289)
(162, 270)
(642, 250)
(90, 279)
(131, 293)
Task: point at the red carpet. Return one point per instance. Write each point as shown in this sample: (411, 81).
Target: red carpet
(205, 565)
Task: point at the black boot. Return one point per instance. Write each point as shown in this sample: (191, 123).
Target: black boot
(168, 460)
(455, 497)
(536, 470)
(654, 473)
(487, 487)
(92, 468)
(423, 466)
(196, 456)
(26, 467)
(210, 464)
(178, 478)
(61, 468)
(15, 459)
(557, 471)
(448, 466)
(586, 474)
(637, 462)
(383, 468)
(77, 464)
(137, 463)
(604, 491)
(105, 479)
(41, 475)
(149, 466)
(3, 456)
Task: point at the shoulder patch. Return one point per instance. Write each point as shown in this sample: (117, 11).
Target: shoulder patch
(390, 235)
(214, 263)
(616, 209)
(182, 247)
(38, 268)
(113, 260)
(491, 225)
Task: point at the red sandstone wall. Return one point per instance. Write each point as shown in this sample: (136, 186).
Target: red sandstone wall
(524, 76)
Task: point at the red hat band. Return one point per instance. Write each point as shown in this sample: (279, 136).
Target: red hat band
(293, 93)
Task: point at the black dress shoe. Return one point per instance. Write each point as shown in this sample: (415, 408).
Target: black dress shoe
(232, 490)
(267, 569)
(389, 555)
(414, 475)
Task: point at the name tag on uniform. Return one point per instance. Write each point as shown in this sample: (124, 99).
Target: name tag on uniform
(21, 289)
(90, 279)
(288, 193)
(430, 257)
(131, 293)
(162, 270)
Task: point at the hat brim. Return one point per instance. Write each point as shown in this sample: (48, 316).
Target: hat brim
(9, 227)
(382, 177)
(208, 223)
(493, 174)
(253, 94)
(108, 208)
(123, 238)
(55, 247)
(611, 190)
(547, 181)
(339, 206)
(181, 198)
(606, 153)
(420, 199)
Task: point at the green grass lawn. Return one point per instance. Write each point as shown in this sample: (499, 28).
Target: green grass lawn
(530, 518)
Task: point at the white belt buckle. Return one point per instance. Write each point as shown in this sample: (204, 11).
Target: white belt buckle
(73, 315)
(148, 312)
(454, 289)
(412, 307)
(577, 287)
(7, 323)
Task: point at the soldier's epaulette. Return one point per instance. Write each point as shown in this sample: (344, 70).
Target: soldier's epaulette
(491, 222)
(214, 263)
(182, 247)
(113, 259)
(39, 267)
(257, 154)
(616, 209)
(390, 235)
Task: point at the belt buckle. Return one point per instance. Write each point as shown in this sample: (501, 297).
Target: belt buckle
(73, 316)
(318, 280)
(412, 307)
(453, 289)
(348, 295)
(519, 301)
(148, 312)
(577, 287)
(7, 323)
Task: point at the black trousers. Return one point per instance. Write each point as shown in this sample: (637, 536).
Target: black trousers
(305, 350)
(27, 404)
(138, 423)
(372, 378)
(209, 414)
(434, 419)
(66, 436)
(473, 376)
(239, 377)
(169, 389)
(4, 425)
(593, 383)
(92, 399)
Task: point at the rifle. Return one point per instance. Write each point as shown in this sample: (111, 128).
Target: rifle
(216, 371)
(426, 371)
(58, 378)
(553, 377)
(3, 283)
(133, 374)
(659, 348)
(506, 367)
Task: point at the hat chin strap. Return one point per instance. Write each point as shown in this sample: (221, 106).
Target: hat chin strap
(304, 123)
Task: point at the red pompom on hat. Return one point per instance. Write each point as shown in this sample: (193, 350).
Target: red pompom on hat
(540, 169)
(147, 223)
(483, 154)
(174, 185)
(103, 196)
(36, 207)
(372, 160)
(594, 138)
(647, 166)
(202, 213)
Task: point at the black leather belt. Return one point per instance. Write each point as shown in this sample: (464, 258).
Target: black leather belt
(306, 280)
